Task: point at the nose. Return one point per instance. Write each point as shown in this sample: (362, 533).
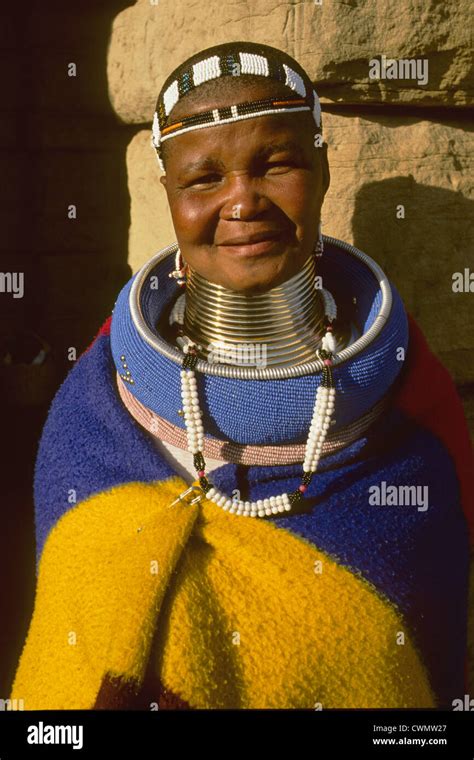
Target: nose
(244, 198)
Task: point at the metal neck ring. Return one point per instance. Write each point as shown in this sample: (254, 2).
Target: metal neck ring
(267, 373)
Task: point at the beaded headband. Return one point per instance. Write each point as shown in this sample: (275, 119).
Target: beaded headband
(232, 59)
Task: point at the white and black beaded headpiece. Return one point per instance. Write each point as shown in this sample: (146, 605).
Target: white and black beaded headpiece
(226, 60)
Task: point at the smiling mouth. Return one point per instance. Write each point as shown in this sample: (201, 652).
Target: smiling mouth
(253, 245)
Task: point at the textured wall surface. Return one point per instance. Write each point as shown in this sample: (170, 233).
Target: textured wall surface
(333, 41)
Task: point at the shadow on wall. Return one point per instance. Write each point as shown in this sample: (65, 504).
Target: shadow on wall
(420, 252)
(68, 147)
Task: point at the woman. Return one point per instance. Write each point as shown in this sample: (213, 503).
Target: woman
(259, 370)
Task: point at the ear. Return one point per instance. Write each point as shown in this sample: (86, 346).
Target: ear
(325, 168)
(163, 180)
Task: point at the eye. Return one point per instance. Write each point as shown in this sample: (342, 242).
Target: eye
(205, 179)
(280, 166)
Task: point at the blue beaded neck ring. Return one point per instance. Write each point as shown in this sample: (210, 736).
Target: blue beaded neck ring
(232, 60)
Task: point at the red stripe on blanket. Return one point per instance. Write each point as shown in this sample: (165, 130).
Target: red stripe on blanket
(117, 694)
(427, 394)
(104, 330)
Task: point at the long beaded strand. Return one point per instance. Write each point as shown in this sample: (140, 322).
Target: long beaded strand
(321, 420)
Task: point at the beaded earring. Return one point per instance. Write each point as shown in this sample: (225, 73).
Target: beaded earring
(179, 272)
(319, 247)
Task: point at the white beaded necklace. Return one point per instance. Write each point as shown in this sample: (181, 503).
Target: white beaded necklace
(322, 412)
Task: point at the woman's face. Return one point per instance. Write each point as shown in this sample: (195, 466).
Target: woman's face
(246, 197)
